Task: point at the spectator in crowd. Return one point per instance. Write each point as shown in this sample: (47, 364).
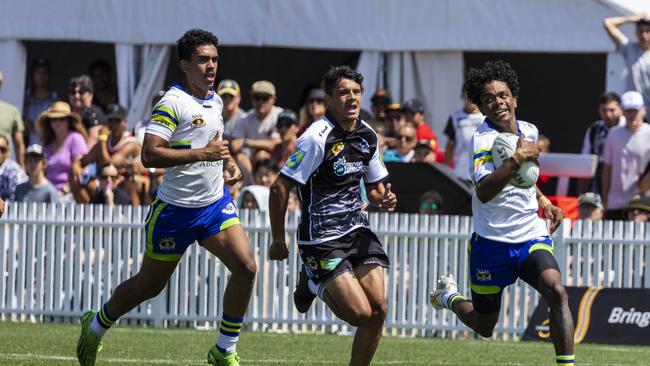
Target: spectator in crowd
(255, 136)
(636, 54)
(11, 174)
(108, 192)
(64, 141)
(638, 209)
(313, 110)
(38, 97)
(11, 124)
(423, 152)
(611, 115)
(118, 147)
(265, 172)
(590, 206)
(101, 74)
(414, 114)
(406, 141)
(625, 156)
(393, 121)
(38, 188)
(380, 129)
(431, 203)
(287, 127)
(293, 204)
(81, 100)
(459, 131)
(254, 197)
(379, 103)
(230, 94)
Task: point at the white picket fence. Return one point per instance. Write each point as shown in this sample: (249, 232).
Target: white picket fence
(57, 261)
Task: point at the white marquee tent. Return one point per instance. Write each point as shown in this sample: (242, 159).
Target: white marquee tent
(423, 40)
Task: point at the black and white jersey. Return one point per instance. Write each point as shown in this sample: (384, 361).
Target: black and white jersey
(327, 166)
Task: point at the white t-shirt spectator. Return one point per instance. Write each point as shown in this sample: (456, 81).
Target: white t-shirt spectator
(250, 127)
(638, 64)
(628, 153)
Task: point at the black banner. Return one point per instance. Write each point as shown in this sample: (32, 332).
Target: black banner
(600, 315)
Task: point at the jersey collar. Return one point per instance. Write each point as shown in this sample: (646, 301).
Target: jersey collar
(492, 126)
(180, 87)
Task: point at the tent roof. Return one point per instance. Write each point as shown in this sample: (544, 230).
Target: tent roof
(384, 25)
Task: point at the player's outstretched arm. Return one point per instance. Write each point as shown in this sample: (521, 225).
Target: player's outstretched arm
(488, 187)
(156, 152)
(382, 197)
(278, 199)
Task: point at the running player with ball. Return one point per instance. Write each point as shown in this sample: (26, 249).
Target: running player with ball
(510, 240)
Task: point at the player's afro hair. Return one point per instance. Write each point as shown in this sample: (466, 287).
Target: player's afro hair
(336, 73)
(491, 71)
(192, 39)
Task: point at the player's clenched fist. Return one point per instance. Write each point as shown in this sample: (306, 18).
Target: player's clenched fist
(216, 150)
(278, 250)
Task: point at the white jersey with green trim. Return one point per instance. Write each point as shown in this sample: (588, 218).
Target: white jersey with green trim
(189, 123)
(511, 216)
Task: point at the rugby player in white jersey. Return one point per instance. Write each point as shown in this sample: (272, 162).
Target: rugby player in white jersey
(193, 203)
(509, 241)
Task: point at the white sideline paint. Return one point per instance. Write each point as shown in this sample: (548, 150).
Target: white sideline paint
(57, 261)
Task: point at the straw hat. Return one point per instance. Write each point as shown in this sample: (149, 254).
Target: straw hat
(58, 109)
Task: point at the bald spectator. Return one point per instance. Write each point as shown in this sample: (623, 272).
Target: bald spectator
(255, 136)
(406, 142)
(230, 94)
(611, 115)
(11, 124)
(81, 93)
(625, 157)
(636, 54)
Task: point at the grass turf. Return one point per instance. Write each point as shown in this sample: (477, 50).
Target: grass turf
(54, 344)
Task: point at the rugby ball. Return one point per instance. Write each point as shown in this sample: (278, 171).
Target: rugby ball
(503, 147)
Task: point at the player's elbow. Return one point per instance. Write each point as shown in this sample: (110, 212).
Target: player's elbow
(148, 158)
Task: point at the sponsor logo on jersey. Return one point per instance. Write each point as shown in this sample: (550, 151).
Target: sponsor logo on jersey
(167, 244)
(342, 167)
(483, 275)
(337, 148)
(293, 162)
(198, 121)
(229, 209)
(364, 146)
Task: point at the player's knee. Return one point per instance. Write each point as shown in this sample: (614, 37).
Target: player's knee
(247, 271)
(556, 295)
(360, 317)
(380, 311)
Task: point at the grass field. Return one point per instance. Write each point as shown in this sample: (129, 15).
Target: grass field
(51, 344)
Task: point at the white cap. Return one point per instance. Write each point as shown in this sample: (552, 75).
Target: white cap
(632, 100)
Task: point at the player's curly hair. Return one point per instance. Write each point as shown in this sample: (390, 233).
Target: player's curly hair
(192, 39)
(336, 73)
(491, 70)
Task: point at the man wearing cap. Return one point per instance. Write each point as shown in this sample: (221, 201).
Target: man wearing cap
(636, 54)
(254, 136)
(11, 124)
(287, 127)
(81, 93)
(638, 209)
(423, 152)
(230, 93)
(590, 206)
(38, 188)
(380, 101)
(11, 174)
(625, 156)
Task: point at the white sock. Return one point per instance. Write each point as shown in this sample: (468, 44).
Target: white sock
(96, 328)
